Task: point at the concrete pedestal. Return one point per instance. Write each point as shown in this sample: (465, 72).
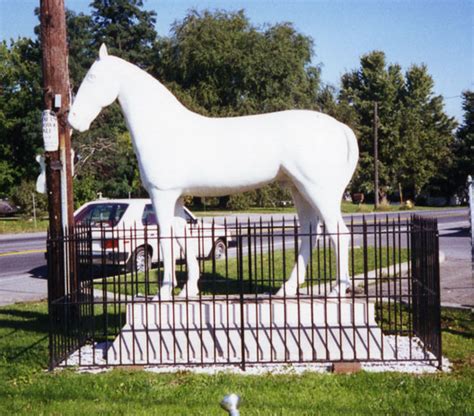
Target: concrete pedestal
(259, 330)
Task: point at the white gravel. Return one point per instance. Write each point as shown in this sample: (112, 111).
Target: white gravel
(83, 360)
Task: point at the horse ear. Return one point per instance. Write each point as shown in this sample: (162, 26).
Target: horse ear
(103, 51)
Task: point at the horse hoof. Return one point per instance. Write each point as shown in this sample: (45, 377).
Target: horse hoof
(286, 291)
(188, 293)
(163, 295)
(339, 291)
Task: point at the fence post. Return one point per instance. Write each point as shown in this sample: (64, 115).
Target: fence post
(240, 263)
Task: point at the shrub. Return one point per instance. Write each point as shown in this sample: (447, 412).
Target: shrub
(22, 196)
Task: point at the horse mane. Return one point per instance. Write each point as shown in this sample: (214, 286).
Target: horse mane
(150, 85)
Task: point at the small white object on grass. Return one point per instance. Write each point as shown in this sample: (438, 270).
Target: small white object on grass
(231, 403)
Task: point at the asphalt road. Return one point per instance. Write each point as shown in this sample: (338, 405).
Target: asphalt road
(23, 267)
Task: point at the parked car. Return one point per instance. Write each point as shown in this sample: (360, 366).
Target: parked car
(7, 208)
(125, 232)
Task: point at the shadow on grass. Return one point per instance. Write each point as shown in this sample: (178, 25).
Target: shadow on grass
(218, 284)
(24, 335)
(25, 320)
(459, 323)
(27, 349)
(210, 283)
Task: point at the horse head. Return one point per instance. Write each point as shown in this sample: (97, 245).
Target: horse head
(98, 90)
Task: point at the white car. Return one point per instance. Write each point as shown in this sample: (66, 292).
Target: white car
(125, 232)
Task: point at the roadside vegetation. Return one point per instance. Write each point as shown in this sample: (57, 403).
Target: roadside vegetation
(26, 388)
(218, 63)
(21, 225)
(346, 208)
(16, 225)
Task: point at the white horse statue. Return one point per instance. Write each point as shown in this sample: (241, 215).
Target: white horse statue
(183, 153)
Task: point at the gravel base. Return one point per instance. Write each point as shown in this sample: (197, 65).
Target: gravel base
(418, 363)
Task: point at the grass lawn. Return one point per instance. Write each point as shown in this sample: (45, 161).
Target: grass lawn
(20, 225)
(275, 268)
(26, 388)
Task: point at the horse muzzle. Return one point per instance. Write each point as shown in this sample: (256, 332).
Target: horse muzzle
(77, 124)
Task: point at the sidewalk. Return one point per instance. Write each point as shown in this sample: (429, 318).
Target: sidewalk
(456, 275)
(22, 288)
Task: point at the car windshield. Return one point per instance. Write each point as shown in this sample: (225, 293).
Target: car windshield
(103, 214)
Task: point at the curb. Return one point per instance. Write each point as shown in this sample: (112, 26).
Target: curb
(23, 236)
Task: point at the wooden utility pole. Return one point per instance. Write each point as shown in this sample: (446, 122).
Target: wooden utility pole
(376, 157)
(56, 101)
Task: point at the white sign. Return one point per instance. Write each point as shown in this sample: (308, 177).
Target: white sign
(50, 131)
(57, 101)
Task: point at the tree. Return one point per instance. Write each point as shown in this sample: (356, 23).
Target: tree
(414, 132)
(81, 44)
(106, 166)
(219, 64)
(463, 146)
(106, 160)
(375, 81)
(127, 29)
(20, 112)
(426, 131)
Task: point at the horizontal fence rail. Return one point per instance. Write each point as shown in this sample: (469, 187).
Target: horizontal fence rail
(106, 309)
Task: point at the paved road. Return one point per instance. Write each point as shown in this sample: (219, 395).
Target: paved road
(23, 267)
(456, 274)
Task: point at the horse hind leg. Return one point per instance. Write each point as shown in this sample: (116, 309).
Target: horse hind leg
(309, 230)
(328, 206)
(189, 249)
(339, 236)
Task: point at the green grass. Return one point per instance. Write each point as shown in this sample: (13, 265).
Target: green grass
(21, 225)
(25, 388)
(275, 269)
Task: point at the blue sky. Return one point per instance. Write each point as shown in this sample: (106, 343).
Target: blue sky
(437, 33)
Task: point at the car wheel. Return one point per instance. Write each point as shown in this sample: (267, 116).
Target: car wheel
(219, 249)
(141, 260)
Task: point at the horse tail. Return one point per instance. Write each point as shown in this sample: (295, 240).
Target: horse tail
(352, 148)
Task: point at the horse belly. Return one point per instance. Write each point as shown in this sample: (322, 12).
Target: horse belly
(205, 171)
(236, 170)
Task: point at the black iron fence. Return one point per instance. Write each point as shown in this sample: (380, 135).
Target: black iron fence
(106, 309)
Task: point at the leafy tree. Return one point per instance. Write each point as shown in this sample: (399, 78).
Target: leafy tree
(426, 131)
(414, 133)
(463, 147)
(221, 65)
(20, 114)
(22, 196)
(127, 29)
(81, 45)
(106, 160)
(374, 81)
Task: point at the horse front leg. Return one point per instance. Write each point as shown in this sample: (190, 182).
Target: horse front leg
(188, 244)
(164, 205)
